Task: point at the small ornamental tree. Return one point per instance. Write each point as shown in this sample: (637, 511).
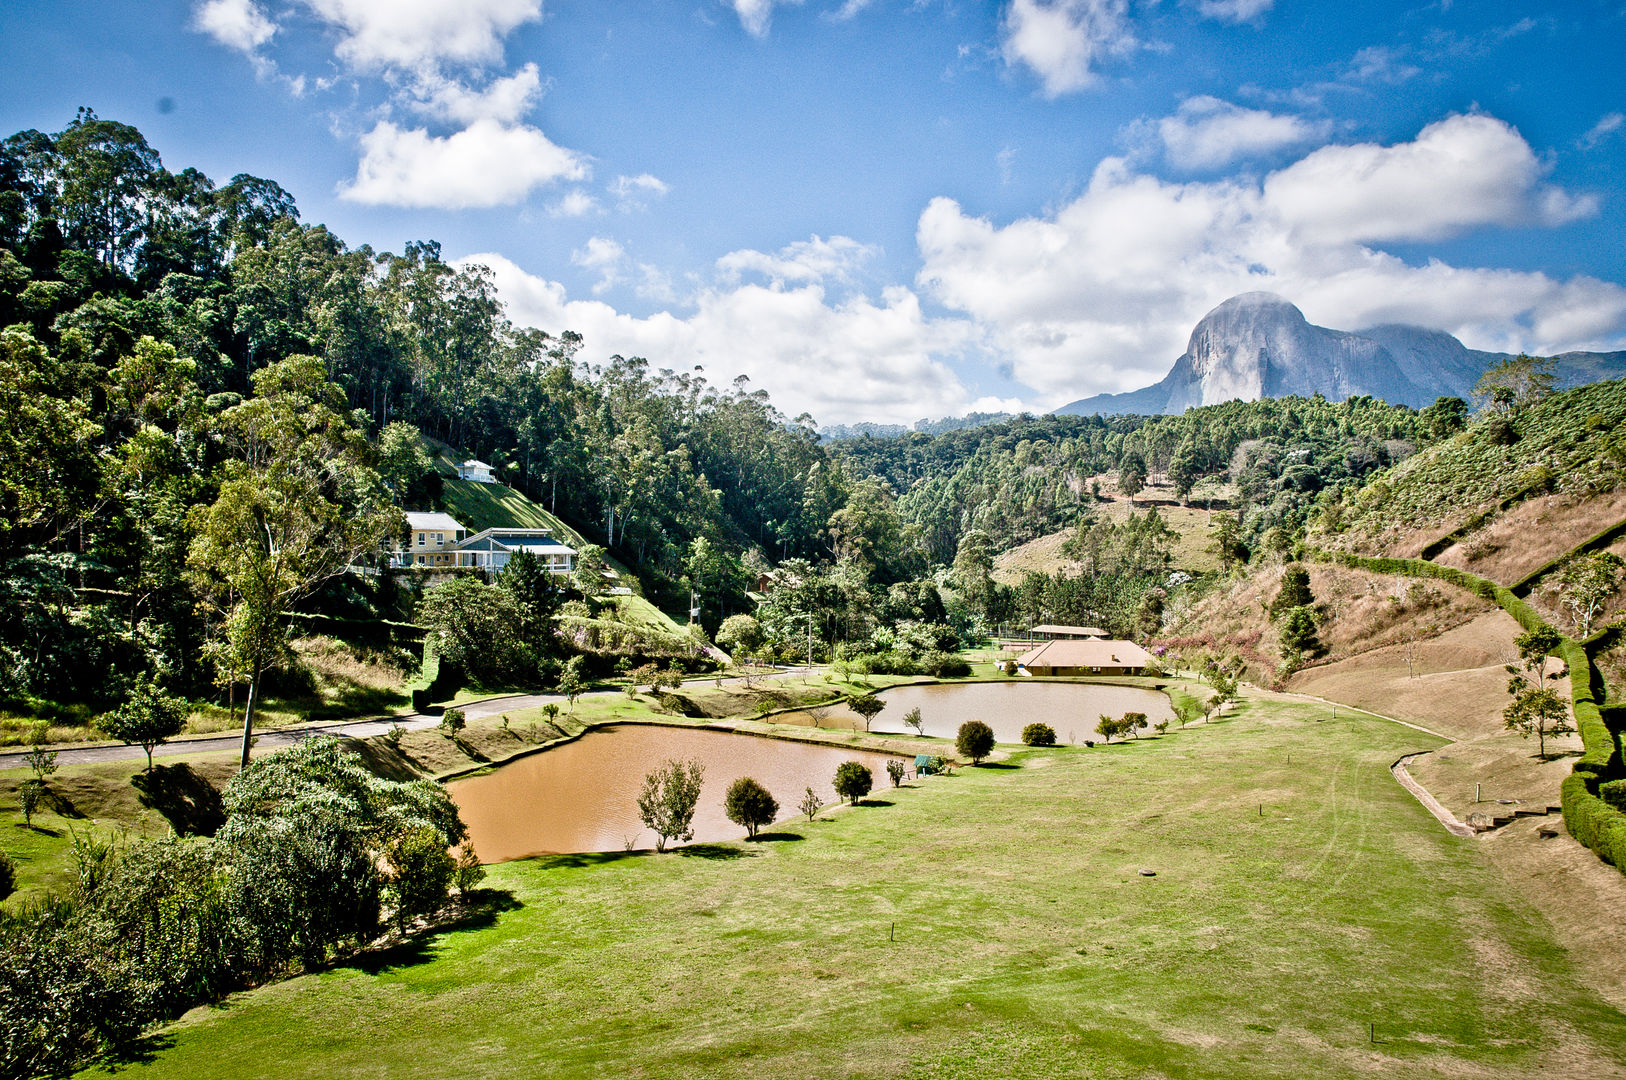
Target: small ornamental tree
(853, 780)
(572, 682)
(1585, 586)
(551, 711)
(867, 706)
(1298, 634)
(975, 740)
(1039, 735)
(453, 721)
(894, 771)
(913, 719)
(1132, 723)
(750, 805)
(810, 804)
(148, 718)
(666, 804)
(1540, 713)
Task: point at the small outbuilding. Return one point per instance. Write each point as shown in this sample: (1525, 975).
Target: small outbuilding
(478, 471)
(1089, 656)
(923, 765)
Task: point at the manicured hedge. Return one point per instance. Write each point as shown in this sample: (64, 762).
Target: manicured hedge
(1589, 818)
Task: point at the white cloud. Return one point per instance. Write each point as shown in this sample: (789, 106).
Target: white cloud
(417, 34)
(1606, 126)
(603, 256)
(1062, 41)
(1460, 172)
(1234, 11)
(1101, 294)
(634, 192)
(486, 164)
(855, 360)
(812, 260)
(505, 100)
(1206, 132)
(236, 24)
(574, 203)
(756, 14)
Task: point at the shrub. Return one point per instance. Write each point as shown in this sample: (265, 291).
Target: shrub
(28, 795)
(666, 804)
(452, 721)
(853, 780)
(420, 872)
(1614, 793)
(895, 770)
(975, 740)
(1039, 735)
(393, 736)
(8, 876)
(750, 805)
(468, 872)
(809, 804)
(943, 665)
(913, 719)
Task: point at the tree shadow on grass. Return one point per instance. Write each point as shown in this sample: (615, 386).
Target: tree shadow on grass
(996, 765)
(775, 838)
(718, 852)
(140, 1051)
(874, 802)
(480, 910)
(187, 801)
(41, 829)
(585, 858)
(382, 759)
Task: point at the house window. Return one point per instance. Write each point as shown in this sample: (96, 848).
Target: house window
(439, 539)
(420, 541)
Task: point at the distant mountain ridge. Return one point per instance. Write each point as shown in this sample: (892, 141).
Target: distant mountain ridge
(1259, 345)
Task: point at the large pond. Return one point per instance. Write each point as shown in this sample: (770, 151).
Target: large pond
(583, 795)
(1073, 709)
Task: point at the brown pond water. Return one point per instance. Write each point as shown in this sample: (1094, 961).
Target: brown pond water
(1073, 709)
(583, 796)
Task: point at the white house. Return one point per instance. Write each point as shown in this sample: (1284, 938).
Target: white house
(491, 549)
(431, 540)
(478, 471)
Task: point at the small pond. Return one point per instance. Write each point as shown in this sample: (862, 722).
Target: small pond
(1073, 709)
(583, 795)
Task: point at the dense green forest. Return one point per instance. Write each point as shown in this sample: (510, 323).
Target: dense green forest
(188, 367)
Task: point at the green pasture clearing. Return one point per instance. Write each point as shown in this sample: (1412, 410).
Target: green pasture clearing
(989, 923)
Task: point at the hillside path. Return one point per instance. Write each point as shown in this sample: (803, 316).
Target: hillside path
(1445, 817)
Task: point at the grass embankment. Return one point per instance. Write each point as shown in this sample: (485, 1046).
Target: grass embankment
(1026, 942)
(1191, 525)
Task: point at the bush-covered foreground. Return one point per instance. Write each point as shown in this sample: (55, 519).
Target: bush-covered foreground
(991, 923)
(314, 850)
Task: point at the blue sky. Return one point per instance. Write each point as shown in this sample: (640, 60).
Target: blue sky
(891, 210)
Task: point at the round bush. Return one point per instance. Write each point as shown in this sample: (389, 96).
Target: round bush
(1039, 735)
(749, 804)
(853, 780)
(975, 740)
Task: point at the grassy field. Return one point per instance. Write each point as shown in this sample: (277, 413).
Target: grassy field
(1189, 548)
(1307, 918)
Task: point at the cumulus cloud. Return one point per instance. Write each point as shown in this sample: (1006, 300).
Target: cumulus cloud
(1234, 11)
(1062, 41)
(1380, 64)
(1461, 172)
(486, 164)
(815, 259)
(857, 359)
(505, 100)
(1100, 295)
(236, 24)
(379, 34)
(1206, 132)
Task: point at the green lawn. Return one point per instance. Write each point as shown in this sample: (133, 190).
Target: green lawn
(1300, 897)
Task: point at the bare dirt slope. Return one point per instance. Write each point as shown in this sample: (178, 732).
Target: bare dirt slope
(1525, 536)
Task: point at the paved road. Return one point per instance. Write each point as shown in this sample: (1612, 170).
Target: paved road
(271, 739)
